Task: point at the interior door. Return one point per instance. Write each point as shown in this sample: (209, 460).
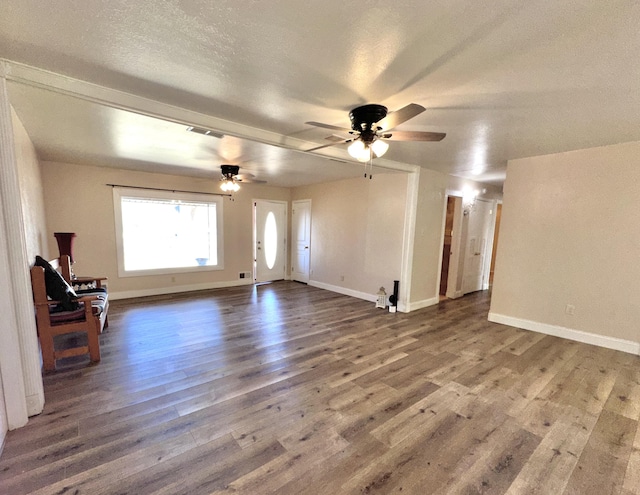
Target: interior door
(301, 233)
(478, 227)
(270, 223)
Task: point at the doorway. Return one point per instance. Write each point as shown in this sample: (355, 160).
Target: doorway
(495, 243)
(446, 246)
(269, 249)
(301, 239)
(467, 246)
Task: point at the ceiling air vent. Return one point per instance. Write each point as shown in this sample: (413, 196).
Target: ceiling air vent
(206, 132)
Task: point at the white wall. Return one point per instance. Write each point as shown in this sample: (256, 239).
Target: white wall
(569, 236)
(78, 200)
(356, 233)
(22, 393)
(457, 185)
(30, 191)
(4, 423)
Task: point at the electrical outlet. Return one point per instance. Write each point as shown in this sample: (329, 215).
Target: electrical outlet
(570, 309)
(341, 278)
(244, 275)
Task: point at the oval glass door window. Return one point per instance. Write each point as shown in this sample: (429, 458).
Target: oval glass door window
(270, 240)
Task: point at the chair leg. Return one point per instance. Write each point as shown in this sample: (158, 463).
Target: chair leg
(48, 353)
(93, 341)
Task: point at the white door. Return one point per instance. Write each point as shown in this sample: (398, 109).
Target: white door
(270, 223)
(478, 231)
(301, 232)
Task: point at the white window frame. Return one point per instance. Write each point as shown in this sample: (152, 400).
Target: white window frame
(122, 192)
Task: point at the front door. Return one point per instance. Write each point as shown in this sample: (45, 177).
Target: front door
(270, 221)
(301, 233)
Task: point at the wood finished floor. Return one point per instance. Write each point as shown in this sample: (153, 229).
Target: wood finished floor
(289, 389)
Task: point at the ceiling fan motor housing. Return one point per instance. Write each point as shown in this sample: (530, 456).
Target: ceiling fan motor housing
(363, 118)
(230, 171)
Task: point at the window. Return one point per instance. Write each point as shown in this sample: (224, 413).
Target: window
(167, 232)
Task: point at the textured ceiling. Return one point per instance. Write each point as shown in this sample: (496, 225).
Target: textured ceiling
(516, 79)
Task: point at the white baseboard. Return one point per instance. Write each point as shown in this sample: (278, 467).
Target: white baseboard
(402, 308)
(425, 303)
(454, 294)
(128, 294)
(569, 333)
(343, 290)
(35, 404)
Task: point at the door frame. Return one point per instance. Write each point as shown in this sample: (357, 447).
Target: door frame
(286, 226)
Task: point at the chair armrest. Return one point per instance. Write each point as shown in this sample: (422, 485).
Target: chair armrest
(53, 302)
(48, 302)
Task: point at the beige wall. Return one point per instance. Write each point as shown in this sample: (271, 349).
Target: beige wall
(30, 192)
(78, 200)
(356, 232)
(569, 235)
(428, 237)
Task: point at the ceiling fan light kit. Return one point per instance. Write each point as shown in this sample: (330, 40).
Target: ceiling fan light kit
(229, 185)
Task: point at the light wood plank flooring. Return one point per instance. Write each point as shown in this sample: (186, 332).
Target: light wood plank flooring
(289, 389)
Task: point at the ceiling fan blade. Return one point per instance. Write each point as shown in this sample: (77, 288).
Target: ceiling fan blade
(343, 141)
(414, 136)
(245, 176)
(399, 116)
(336, 138)
(252, 181)
(329, 126)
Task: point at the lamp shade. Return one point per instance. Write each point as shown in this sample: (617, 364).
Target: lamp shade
(360, 151)
(379, 147)
(65, 243)
(356, 149)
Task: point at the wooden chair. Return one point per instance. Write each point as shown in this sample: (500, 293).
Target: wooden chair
(64, 265)
(51, 324)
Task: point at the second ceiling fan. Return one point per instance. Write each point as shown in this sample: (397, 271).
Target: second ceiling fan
(231, 176)
(371, 126)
